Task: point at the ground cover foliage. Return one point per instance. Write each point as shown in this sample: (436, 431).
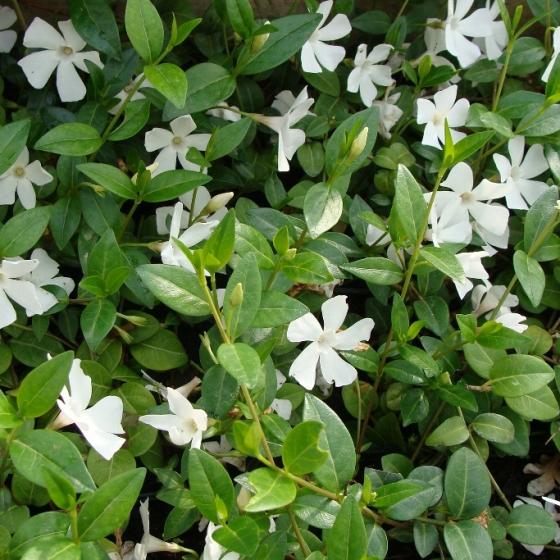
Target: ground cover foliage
(292, 284)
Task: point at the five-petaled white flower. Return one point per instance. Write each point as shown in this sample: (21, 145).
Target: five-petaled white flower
(367, 73)
(7, 36)
(45, 273)
(473, 268)
(434, 37)
(20, 178)
(15, 285)
(324, 343)
(518, 174)
(493, 45)
(175, 143)
(458, 26)
(185, 423)
(485, 299)
(462, 199)
(389, 114)
(433, 115)
(62, 52)
(448, 225)
(315, 52)
(555, 52)
(100, 423)
(292, 109)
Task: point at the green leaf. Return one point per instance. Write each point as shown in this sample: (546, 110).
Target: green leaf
(227, 138)
(494, 427)
(322, 209)
(317, 511)
(65, 219)
(466, 484)
(539, 405)
(53, 547)
(338, 469)
(347, 539)
(239, 315)
(375, 270)
(242, 362)
(444, 261)
(36, 450)
(469, 145)
(219, 391)
(171, 184)
(241, 535)
(219, 246)
(210, 485)
(307, 268)
(530, 524)
(290, 35)
(452, 431)
(394, 492)
(169, 80)
(209, 85)
(97, 320)
(144, 29)
(311, 157)
(37, 527)
(21, 233)
(136, 115)
(240, 15)
(277, 309)
(272, 490)
(516, 375)
(70, 139)
(409, 207)
(95, 22)
(60, 490)
(426, 538)
(531, 276)
(13, 138)
(175, 287)
(110, 178)
(539, 216)
(302, 452)
(161, 352)
(108, 508)
(467, 540)
(41, 387)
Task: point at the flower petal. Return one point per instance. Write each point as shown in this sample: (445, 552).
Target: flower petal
(534, 163)
(71, 36)
(7, 311)
(106, 415)
(425, 111)
(24, 293)
(368, 91)
(38, 67)
(350, 338)
(445, 98)
(7, 40)
(335, 369)
(330, 56)
(304, 367)
(308, 60)
(503, 166)
(198, 141)
(478, 24)
(166, 161)
(493, 218)
(42, 35)
(457, 116)
(165, 422)
(334, 312)
(178, 404)
(26, 193)
(104, 443)
(7, 17)
(93, 56)
(337, 28)
(431, 136)
(80, 386)
(17, 269)
(516, 147)
(304, 328)
(8, 187)
(460, 178)
(68, 82)
(182, 126)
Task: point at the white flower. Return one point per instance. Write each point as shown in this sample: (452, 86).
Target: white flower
(7, 36)
(45, 273)
(433, 115)
(448, 225)
(13, 284)
(490, 239)
(367, 73)
(549, 506)
(485, 298)
(100, 422)
(20, 178)
(214, 550)
(224, 112)
(434, 37)
(458, 27)
(518, 174)
(150, 544)
(549, 475)
(292, 109)
(175, 143)
(282, 407)
(463, 200)
(389, 114)
(62, 52)
(223, 447)
(556, 50)
(493, 45)
(315, 52)
(324, 343)
(123, 94)
(185, 423)
(473, 268)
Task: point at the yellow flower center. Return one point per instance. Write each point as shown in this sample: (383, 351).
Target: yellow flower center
(19, 171)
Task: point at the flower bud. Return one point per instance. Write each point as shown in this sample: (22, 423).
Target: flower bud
(217, 202)
(358, 144)
(258, 42)
(236, 298)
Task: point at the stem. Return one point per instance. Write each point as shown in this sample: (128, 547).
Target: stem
(19, 14)
(427, 431)
(503, 73)
(255, 415)
(402, 9)
(73, 513)
(302, 544)
(53, 336)
(359, 423)
(128, 218)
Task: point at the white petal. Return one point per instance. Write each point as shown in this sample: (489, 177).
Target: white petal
(466, 51)
(93, 56)
(166, 161)
(368, 91)
(36, 174)
(531, 190)
(38, 67)
(514, 200)
(380, 74)
(157, 139)
(164, 422)
(290, 140)
(330, 56)
(463, 288)
(308, 60)
(503, 166)
(8, 187)
(178, 404)
(350, 338)
(24, 293)
(304, 367)
(516, 147)
(337, 28)
(7, 40)
(7, 17)
(457, 116)
(425, 110)
(17, 269)
(197, 233)
(182, 126)
(462, 8)
(198, 141)
(68, 82)
(106, 415)
(445, 98)
(42, 35)
(7, 311)
(431, 136)
(460, 178)
(334, 368)
(334, 312)
(493, 218)
(105, 444)
(26, 193)
(354, 78)
(304, 328)
(71, 36)
(534, 163)
(487, 190)
(379, 53)
(478, 24)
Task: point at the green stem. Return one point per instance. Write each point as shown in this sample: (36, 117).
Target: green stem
(53, 336)
(427, 431)
(19, 13)
(503, 74)
(302, 544)
(359, 421)
(73, 513)
(402, 9)
(128, 218)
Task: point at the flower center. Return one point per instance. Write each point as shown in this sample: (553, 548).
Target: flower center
(515, 173)
(454, 23)
(66, 51)
(19, 171)
(327, 339)
(190, 425)
(437, 118)
(177, 141)
(467, 197)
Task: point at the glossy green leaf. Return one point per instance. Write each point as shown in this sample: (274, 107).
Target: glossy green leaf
(13, 138)
(531, 276)
(21, 233)
(452, 431)
(494, 427)
(240, 535)
(136, 115)
(347, 538)
(516, 375)
(530, 524)
(272, 490)
(70, 139)
(302, 452)
(375, 270)
(467, 540)
(161, 352)
(110, 178)
(322, 209)
(171, 184)
(144, 29)
(242, 362)
(277, 309)
(97, 320)
(169, 80)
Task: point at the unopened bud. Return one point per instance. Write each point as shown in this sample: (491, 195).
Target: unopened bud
(123, 334)
(236, 298)
(136, 320)
(290, 254)
(217, 202)
(150, 169)
(259, 41)
(358, 144)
